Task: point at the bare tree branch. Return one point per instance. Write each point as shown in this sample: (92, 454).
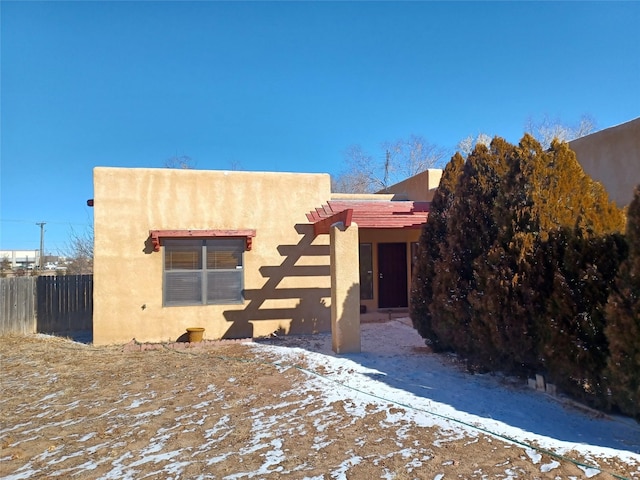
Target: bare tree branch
(547, 129)
(79, 252)
(401, 159)
(467, 144)
(411, 156)
(183, 162)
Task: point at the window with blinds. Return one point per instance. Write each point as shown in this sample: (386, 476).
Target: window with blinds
(203, 272)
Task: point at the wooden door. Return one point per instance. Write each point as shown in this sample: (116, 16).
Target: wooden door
(392, 275)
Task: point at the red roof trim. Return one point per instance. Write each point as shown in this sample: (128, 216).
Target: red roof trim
(323, 225)
(372, 214)
(156, 235)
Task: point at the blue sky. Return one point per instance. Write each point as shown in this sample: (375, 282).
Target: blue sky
(283, 86)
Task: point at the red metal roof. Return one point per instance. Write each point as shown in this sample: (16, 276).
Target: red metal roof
(374, 213)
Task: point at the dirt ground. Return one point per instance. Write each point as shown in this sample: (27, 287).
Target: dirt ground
(70, 410)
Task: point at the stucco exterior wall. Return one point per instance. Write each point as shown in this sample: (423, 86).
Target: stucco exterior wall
(286, 274)
(345, 293)
(420, 187)
(612, 157)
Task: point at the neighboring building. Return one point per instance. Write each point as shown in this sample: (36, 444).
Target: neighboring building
(612, 157)
(27, 259)
(246, 254)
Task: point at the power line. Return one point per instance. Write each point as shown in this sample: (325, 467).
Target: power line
(3, 220)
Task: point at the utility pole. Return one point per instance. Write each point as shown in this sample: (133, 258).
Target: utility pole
(387, 165)
(42, 224)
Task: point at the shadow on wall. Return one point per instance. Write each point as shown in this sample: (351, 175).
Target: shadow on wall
(310, 315)
(351, 304)
(345, 334)
(149, 248)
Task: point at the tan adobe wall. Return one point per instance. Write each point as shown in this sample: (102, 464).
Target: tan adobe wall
(419, 188)
(612, 157)
(366, 196)
(286, 274)
(345, 289)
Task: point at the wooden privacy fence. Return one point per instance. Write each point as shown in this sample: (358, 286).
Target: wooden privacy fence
(47, 304)
(18, 305)
(64, 303)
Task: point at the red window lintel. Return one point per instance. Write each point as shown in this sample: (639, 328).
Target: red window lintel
(156, 235)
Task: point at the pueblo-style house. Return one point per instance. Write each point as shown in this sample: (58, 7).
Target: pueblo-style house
(247, 254)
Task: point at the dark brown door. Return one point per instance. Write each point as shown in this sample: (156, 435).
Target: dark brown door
(392, 275)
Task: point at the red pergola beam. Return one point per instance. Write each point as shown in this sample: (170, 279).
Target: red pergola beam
(324, 226)
(371, 214)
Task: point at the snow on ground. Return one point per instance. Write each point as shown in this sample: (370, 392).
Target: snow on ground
(393, 376)
(393, 367)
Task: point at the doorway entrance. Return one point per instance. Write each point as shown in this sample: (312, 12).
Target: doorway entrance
(392, 275)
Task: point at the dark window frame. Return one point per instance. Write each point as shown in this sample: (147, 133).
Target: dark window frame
(366, 271)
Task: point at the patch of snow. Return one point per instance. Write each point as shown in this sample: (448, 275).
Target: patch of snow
(61, 424)
(159, 457)
(137, 403)
(15, 427)
(547, 467)
(221, 425)
(319, 442)
(533, 455)
(435, 391)
(24, 440)
(219, 458)
(394, 378)
(172, 468)
(589, 472)
(64, 457)
(273, 457)
(341, 472)
(21, 475)
(49, 397)
(94, 448)
(118, 472)
(152, 413)
(156, 444)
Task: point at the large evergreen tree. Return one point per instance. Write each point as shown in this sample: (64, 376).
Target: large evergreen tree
(573, 345)
(432, 241)
(523, 263)
(502, 323)
(471, 231)
(623, 321)
(581, 229)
